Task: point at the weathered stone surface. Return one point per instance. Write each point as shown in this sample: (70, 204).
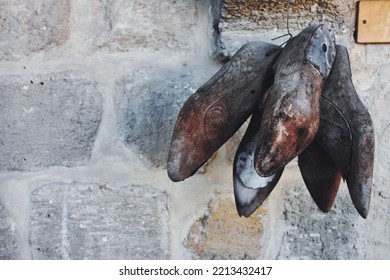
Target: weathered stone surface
(271, 14)
(375, 91)
(48, 119)
(8, 245)
(238, 21)
(157, 24)
(376, 230)
(92, 221)
(148, 102)
(311, 234)
(221, 234)
(29, 26)
(378, 94)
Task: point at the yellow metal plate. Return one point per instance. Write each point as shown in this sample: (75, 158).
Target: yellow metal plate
(373, 24)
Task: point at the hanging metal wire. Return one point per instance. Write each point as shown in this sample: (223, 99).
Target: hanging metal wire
(287, 25)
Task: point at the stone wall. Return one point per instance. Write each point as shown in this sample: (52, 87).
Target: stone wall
(89, 94)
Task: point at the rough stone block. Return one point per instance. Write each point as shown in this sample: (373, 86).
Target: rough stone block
(48, 119)
(239, 21)
(156, 24)
(311, 234)
(9, 249)
(376, 230)
(92, 221)
(29, 26)
(221, 234)
(147, 104)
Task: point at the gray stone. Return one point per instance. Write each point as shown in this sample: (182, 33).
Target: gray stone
(46, 120)
(221, 234)
(92, 221)
(376, 230)
(9, 249)
(147, 104)
(237, 22)
(311, 234)
(155, 24)
(29, 26)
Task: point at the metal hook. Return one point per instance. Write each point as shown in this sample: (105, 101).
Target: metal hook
(288, 26)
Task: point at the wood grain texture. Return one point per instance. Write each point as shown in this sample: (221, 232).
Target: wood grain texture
(291, 110)
(328, 157)
(341, 91)
(217, 110)
(250, 189)
(334, 135)
(320, 174)
(373, 25)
